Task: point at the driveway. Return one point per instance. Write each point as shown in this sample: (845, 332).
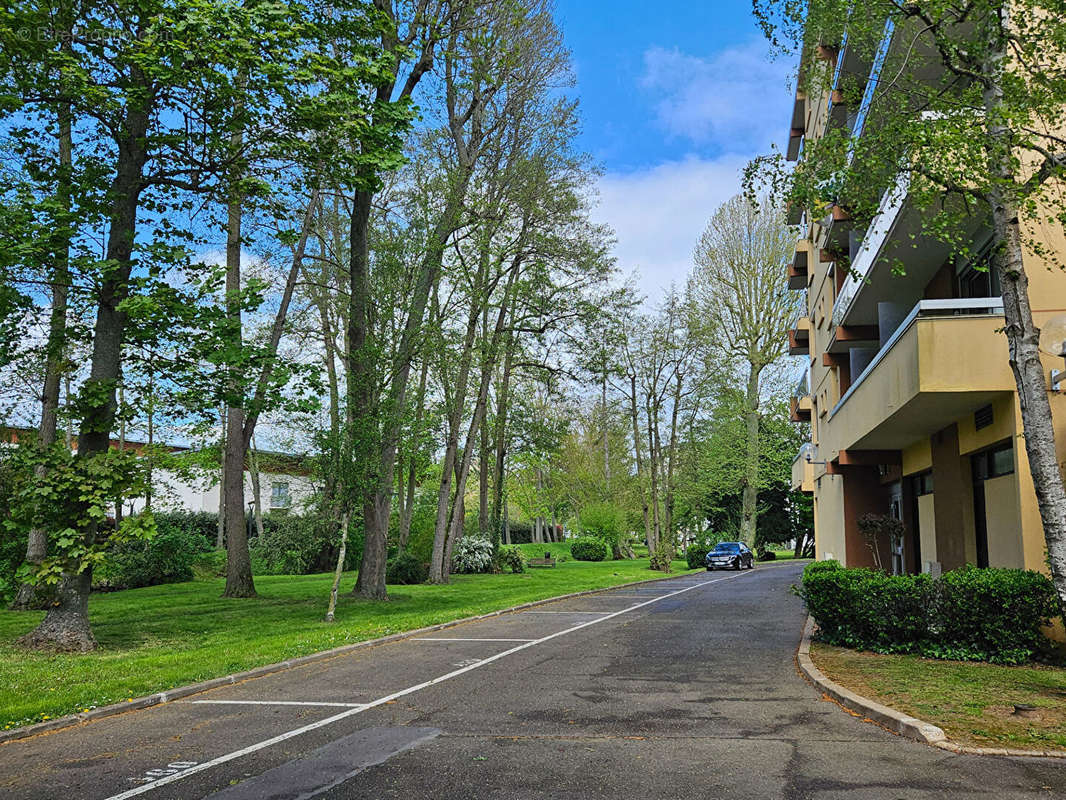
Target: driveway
(678, 689)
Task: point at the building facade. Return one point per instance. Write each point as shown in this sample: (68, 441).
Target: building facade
(908, 390)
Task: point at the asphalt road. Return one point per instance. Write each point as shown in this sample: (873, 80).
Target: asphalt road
(680, 689)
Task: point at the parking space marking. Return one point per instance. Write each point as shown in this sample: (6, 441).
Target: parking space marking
(274, 703)
(460, 639)
(350, 712)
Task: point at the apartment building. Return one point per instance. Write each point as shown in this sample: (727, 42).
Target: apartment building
(909, 394)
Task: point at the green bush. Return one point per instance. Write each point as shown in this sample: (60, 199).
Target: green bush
(168, 557)
(604, 522)
(968, 614)
(696, 555)
(588, 548)
(511, 555)
(210, 565)
(302, 545)
(662, 558)
(406, 569)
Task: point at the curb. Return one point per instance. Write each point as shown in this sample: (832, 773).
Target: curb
(159, 698)
(891, 719)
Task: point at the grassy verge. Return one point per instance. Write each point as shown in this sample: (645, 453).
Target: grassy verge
(165, 636)
(972, 702)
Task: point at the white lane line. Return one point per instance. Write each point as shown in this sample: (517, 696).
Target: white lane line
(460, 639)
(564, 612)
(272, 703)
(252, 748)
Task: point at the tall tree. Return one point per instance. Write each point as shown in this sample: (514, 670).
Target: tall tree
(737, 284)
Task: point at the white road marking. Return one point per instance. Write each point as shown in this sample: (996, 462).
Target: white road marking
(253, 748)
(273, 703)
(460, 639)
(564, 612)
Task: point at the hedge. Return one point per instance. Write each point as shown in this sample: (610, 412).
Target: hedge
(967, 614)
(588, 548)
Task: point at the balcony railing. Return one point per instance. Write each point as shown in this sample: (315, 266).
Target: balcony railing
(871, 86)
(873, 244)
(956, 307)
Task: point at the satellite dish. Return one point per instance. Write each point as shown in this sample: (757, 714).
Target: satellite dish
(1053, 336)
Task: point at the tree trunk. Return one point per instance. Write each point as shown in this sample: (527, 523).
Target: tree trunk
(239, 582)
(637, 449)
(66, 626)
(339, 570)
(1023, 338)
(503, 399)
(220, 535)
(55, 348)
(257, 493)
(750, 487)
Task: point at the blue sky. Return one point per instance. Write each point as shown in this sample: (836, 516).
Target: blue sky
(676, 97)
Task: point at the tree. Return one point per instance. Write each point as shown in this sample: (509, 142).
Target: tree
(737, 285)
(970, 123)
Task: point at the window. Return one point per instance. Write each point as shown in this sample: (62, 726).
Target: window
(993, 463)
(279, 495)
(977, 277)
(923, 483)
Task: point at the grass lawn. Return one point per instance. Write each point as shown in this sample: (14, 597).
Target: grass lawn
(165, 636)
(972, 702)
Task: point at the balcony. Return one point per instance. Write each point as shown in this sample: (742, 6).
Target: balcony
(803, 472)
(801, 404)
(799, 336)
(946, 357)
(799, 269)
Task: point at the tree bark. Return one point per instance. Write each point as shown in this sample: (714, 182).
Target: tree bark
(27, 596)
(750, 488)
(239, 582)
(257, 493)
(637, 449)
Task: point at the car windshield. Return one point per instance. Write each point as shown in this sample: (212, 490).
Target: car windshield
(727, 547)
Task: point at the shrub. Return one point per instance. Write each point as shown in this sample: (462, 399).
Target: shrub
(521, 532)
(210, 565)
(472, 554)
(511, 555)
(302, 545)
(406, 569)
(168, 557)
(662, 558)
(588, 548)
(604, 522)
(696, 555)
(969, 614)
(767, 555)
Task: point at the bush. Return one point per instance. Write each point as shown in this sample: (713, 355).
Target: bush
(588, 548)
(767, 555)
(168, 557)
(511, 555)
(210, 565)
(472, 554)
(968, 614)
(406, 569)
(521, 532)
(604, 522)
(662, 558)
(302, 545)
(696, 555)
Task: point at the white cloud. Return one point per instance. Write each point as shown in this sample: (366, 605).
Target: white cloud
(658, 214)
(736, 99)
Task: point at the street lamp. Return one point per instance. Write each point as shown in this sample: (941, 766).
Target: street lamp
(809, 452)
(1053, 343)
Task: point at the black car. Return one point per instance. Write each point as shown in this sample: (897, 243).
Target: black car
(730, 555)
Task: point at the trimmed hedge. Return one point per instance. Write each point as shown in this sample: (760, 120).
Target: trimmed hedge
(968, 614)
(588, 548)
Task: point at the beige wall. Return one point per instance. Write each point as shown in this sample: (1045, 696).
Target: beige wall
(829, 518)
(927, 528)
(918, 457)
(1003, 516)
